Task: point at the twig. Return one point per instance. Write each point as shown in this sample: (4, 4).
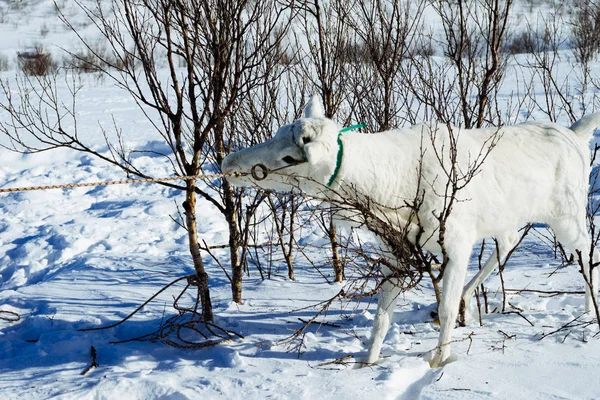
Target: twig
(588, 281)
(550, 292)
(94, 363)
(570, 324)
(226, 246)
(170, 330)
(207, 249)
(137, 309)
(469, 337)
(520, 315)
(307, 257)
(337, 361)
(321, 323)
(299, 333)
(506, 335)
(515, 307)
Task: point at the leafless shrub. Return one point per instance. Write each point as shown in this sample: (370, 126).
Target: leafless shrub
(525, 42)
(387, 34)
(124, 61)
(36, 62)
(283, 53)
(96, 56)
(585, 22)
(422, 49)
(326, 29)
(194, 107)
(4, 63)
(475, 33)
(84, 61)
(353, 52)
(284, 209)
(585, 42)
(556, 97)
(593, 211)
(206, 333)
(18, 5)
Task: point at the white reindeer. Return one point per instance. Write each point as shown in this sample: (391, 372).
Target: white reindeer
(537, 172)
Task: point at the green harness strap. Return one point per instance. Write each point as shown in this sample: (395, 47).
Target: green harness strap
(340, 154)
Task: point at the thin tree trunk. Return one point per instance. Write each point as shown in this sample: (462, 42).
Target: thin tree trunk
(286, 250)
(338, 267)
(237, 271)
(190, 218)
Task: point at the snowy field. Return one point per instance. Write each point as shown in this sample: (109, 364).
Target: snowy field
(81, 258)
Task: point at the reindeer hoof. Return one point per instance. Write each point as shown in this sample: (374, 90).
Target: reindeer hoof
(366, 362)
(437, 359)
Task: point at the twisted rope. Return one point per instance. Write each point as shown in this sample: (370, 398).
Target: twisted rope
(9, 316)
(121, 182)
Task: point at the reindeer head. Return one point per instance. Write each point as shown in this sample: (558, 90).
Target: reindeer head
(301, 155)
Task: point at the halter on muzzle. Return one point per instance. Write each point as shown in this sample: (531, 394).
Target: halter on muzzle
(266, 171)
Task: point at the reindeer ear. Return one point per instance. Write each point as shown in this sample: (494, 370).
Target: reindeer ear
(314, 108)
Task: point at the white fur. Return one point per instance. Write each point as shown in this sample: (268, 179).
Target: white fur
(538, 172)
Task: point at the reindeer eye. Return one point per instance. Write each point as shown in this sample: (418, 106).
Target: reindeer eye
(289, 159)
(305, 140)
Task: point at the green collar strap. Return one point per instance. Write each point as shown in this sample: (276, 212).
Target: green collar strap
(340, 153)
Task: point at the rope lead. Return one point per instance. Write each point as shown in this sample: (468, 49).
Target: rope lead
(121, 182)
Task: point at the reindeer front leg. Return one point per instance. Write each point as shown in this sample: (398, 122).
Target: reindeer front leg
(388, 295)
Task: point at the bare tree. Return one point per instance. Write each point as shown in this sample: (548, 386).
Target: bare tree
(462, 90)
(542, 69)
(284, 209)
(217, 54)
(585, 22)
(387, 33)
(326, 31)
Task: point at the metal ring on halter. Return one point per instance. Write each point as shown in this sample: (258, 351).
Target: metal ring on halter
(257, 176)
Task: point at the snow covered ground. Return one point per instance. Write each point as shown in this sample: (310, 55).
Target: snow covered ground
(80, 258)
(86, 257)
